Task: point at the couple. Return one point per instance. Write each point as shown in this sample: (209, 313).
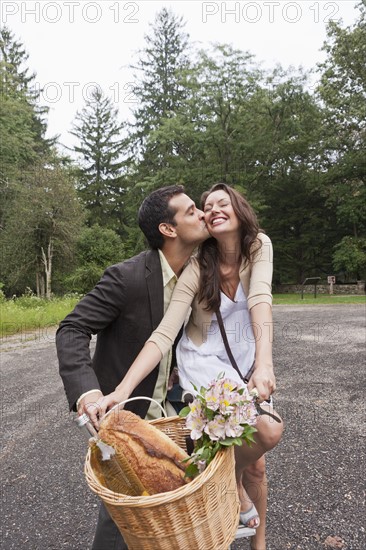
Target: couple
(232, 271)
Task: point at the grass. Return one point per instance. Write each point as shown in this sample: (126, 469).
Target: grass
(321, 299)
(27, 313)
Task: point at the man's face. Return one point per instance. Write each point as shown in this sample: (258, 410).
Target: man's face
(191, 227)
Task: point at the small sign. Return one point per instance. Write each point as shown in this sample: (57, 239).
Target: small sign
(331, 279)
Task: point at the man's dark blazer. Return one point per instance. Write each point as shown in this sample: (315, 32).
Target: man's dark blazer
(123, 309)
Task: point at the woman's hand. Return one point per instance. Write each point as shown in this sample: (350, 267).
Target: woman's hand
(263, 379)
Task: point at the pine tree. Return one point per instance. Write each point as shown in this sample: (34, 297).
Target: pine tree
(17, 84)
(100, 149)
(22, 126)
(160, 89)
(15, 76)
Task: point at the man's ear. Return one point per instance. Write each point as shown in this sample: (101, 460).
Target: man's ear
(167, 230)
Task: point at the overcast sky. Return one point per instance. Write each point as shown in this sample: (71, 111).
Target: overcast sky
(74, 45)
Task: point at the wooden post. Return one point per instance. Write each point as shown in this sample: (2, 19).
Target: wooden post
(331, 281)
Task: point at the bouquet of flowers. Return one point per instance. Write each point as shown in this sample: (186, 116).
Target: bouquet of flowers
(221, 415)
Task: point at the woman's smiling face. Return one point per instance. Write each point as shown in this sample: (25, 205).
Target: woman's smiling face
(219, 214)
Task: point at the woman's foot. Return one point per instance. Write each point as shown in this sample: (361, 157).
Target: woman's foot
(248, 522)
(250, 518)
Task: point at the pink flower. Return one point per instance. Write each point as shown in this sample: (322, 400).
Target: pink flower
(247, 414)
(232, 428)
(212, 398)
(224, 410)
(228, 385)
(195, 420)
(215, 429)
(196, 424)
(201, 465)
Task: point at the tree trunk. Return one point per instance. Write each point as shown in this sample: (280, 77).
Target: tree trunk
(47, 263)
(39, 283)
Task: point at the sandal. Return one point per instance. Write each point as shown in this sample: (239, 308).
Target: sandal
(245, 517)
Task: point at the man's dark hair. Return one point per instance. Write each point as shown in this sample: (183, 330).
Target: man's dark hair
(155, 210)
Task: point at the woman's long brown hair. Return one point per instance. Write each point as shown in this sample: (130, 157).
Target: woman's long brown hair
(208, 253)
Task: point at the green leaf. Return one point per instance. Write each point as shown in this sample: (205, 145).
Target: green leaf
(231, 441)
(184, 412)
(199, 452)
(248, 435)
(207, 453)
(192, 471)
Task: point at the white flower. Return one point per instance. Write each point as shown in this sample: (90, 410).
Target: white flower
(247, 414)
(196, 424)
(225, 410)
(215, 429)
(232, 428)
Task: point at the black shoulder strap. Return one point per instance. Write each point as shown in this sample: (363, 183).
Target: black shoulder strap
(226, 343)
(234, 364)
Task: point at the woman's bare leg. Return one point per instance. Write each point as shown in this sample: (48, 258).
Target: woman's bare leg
(255, 484)
(246, 503)
(250, 458)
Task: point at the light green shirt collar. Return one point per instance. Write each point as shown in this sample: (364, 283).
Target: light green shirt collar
(168, 273)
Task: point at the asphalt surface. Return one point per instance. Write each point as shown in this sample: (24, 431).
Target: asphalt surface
(316, 474)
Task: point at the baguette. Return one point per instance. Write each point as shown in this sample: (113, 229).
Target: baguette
(153, 456)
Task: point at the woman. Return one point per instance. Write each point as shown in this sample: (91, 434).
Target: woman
(233, 272)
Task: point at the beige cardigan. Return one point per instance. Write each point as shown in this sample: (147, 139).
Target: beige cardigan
(255, 277)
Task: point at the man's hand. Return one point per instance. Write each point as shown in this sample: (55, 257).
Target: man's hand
(89, 405)
(263, 379)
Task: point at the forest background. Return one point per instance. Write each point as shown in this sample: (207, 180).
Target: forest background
(296, 151)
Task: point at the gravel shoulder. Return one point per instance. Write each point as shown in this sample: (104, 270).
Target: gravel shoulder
(316, 474)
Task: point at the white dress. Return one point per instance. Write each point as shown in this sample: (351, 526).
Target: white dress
(199, 365)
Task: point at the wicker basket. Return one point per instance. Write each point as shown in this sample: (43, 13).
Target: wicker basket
(204, 514)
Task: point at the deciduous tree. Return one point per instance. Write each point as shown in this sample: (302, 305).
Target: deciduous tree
(343, 90)
(43, 222)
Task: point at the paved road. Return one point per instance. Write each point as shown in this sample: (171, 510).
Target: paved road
(317, 473)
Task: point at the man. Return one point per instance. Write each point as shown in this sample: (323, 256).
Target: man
(123, 309)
